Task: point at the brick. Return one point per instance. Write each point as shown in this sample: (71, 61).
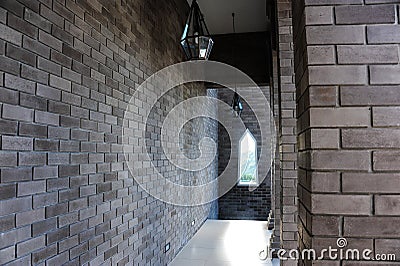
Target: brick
(71, 52)
(68, 170)
(368, 14)
(341, 204)
(46, 145)
(370, 138)
(325, 225)
(386, 161)
(9, 65)
(387, 205)
(2, 47)
(44, 226)
(32, 101)
(16, 174)
(49, 66)
(31, 5)
(36, 47)
(385, 75)
(30, 217)
(370, 183)
(378, 34)
(16, 143)
(47, 118)
(386, 116)
(34, 74)
(340, 160)
(60, 83)
(337, 75)
(7, 255)
(48, 92)
(321, 55)
(62, 35)
(387, 246)
(10, 35)
(59, 133)
(32, 130)
(340, 117)
(56, 210)
(22, 26)
(74, 30)
(15, 205)
(59, 259)
(318, 15)
(97, 76)
(17, 113)
(325, 139)
(45, 172)
(49, 40)
(335, 35)
(8, 96)
(368, 54)
(63, 12)
(30, 245)
(19, 84)
(14, 236)
(37, 20)
(369, 95)
(81, 68)
(333, 2)
(57, 235)
(45, 253)
(31, 188)
(71, 75)
(7, 222)
(42, 200)
(31, 159)
(8, 191)
(3, 15)
(324, 182)
(367, 226)
(51, 16)
(13, 7)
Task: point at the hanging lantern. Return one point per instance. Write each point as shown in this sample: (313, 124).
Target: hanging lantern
(196, 40)
(236, 105)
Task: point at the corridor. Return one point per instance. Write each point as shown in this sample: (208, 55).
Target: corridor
(226, 243)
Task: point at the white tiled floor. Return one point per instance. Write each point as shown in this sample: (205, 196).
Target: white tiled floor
(226, 243)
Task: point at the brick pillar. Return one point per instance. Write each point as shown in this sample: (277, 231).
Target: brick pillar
(287, 129)
(347, 82)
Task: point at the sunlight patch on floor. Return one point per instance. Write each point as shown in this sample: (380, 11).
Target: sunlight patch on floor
(227, 243)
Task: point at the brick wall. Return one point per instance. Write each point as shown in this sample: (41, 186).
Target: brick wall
(67, 71)
(287, 130)
(240, 203)
(347, 77)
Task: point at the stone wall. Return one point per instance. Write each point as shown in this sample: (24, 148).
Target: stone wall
(347, 79)
(67, 71)
(240, 203)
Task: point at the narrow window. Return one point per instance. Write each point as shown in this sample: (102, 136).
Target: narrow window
(248, 160)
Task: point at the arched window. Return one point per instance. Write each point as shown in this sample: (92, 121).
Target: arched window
(248, 172)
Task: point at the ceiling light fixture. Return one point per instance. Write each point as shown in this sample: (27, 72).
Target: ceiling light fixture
(196, 40)
(237, 106)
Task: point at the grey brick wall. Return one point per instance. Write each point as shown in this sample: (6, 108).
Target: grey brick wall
(286, 182)
(240, 203)
(67, 71)
(347, 77)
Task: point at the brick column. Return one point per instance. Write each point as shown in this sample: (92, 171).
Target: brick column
(287, 129)
(347, 82)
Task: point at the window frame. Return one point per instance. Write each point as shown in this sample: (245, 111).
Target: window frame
(239, 182)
